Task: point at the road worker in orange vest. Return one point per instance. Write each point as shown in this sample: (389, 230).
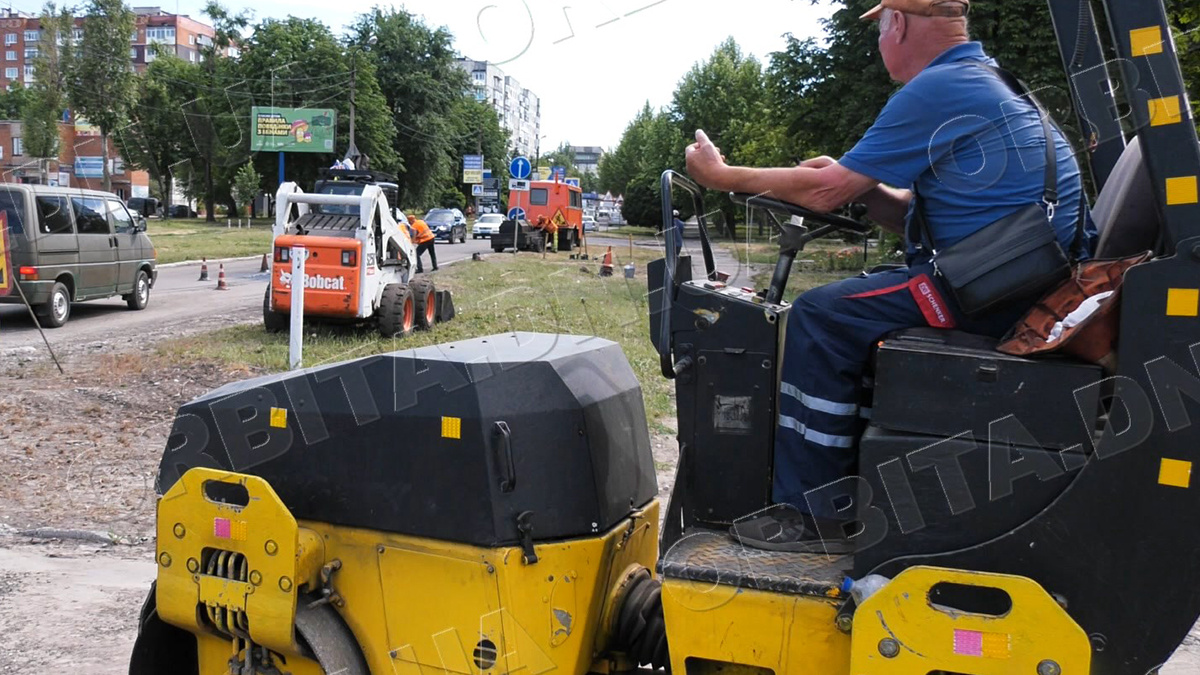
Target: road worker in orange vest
(551, 230)
(424, 239)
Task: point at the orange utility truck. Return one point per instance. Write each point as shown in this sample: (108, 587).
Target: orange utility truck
(561, 204)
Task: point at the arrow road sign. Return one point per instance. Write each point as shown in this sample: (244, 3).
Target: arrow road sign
(520, 168)
(516, 213)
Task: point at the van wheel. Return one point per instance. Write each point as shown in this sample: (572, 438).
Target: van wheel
(57, 310)
(397, 311)
(275, 322)
(140, 297)
(424, 302)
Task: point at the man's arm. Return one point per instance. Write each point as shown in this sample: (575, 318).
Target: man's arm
(887, 206)
(821, 184)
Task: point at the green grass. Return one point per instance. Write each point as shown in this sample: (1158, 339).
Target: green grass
(177, 240)
(502, 294)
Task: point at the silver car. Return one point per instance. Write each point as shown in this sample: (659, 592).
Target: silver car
(487, 225)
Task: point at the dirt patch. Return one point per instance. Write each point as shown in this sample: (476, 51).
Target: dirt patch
(81, 450)
(70, 608)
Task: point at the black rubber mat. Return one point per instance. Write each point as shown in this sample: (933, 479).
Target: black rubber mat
(715, 557)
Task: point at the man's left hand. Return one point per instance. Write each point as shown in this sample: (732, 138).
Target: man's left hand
(705, 163)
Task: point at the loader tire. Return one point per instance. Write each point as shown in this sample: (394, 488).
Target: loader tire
(397, 311)
(275, 322)
(425, 302)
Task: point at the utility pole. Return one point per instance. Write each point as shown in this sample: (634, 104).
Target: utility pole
(352, 151)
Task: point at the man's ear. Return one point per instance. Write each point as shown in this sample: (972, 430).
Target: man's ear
(900, 26)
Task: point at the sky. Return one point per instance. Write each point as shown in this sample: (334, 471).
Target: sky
(593, 63)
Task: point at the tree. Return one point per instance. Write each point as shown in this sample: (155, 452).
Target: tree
(561, 156)
(477, 130)
(300, 63)
(246, 185)
(726, 96)
(422, 84)
(157, 138)
(99, 79)
(214, 124)
(12, 101)
(47, 98)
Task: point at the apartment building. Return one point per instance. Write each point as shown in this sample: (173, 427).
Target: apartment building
(80, 161)
(519, 108)
(157, 32)
(587, 158)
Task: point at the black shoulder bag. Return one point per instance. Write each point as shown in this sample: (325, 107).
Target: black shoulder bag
(1015, 258)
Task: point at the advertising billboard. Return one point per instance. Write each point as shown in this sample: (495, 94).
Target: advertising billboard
(89, 167)
(292, 129)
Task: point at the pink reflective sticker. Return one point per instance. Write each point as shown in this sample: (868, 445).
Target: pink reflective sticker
(221, 528)
(968, 643)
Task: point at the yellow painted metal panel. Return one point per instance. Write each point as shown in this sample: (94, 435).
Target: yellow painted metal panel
(268, 538)
(1183, 302)
(782, 632)
(1175, 473)
(898, 631)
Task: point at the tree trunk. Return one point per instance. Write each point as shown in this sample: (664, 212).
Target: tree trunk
(104, 155)
(210, 199)
(164, 188)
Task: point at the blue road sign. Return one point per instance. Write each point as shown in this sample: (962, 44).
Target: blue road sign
(473, 162)
(572, 181)
(516, 213)
(520, 168)
(558, 173)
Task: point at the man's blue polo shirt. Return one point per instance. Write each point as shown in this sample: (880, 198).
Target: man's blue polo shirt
(973, 149)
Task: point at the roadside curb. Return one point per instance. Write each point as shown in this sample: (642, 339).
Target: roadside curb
(184, 263)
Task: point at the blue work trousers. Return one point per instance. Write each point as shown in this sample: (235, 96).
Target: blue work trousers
(830, 333)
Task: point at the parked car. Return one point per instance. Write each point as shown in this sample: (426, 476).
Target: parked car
(448, 224)
(182, 211)
(487, 225)
(589, 224)
(72, 245)
(145, 206)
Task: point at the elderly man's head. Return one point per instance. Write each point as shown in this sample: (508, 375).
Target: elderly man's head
(914, 32)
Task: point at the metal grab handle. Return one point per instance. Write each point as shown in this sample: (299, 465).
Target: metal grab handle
(504, 456)
(670, 179)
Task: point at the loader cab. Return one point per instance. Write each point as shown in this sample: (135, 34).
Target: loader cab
(351, 182)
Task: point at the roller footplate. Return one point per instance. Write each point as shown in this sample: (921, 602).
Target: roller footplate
(714, 557)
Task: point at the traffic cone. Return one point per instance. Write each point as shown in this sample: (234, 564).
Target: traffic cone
(221, 285)
(606, 267)
(266, 266)
(204, 269)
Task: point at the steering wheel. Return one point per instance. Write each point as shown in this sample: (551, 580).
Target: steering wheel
(793, 238)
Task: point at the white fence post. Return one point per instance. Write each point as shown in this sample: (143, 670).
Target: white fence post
(296, 332)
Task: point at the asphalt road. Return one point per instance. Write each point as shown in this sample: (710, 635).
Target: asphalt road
(179, 303)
